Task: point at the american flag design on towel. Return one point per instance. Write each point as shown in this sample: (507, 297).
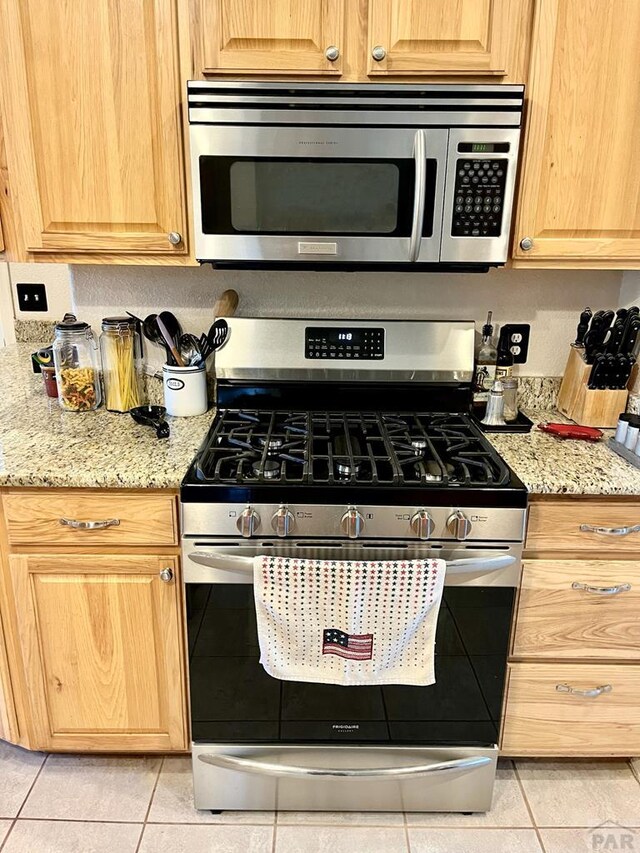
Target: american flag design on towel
(348, 622)
(351, 646)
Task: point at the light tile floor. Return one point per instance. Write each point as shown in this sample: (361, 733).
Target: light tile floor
(101, 804)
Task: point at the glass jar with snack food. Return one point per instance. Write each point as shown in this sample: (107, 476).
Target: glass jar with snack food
(121, 364)
(75, 354)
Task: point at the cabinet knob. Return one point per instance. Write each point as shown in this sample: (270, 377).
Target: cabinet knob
(175, 238)
(378, 53)
(166, 575)
(526, 244)
(332, 53)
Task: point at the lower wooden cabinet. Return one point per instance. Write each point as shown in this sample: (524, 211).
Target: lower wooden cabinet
(8, 723)
(101, 639)
(546, 714)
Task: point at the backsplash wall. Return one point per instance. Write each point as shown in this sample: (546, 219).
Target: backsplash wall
(549, 300)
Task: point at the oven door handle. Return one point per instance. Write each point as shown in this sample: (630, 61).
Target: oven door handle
(420, 192)
(235, 562)
(292, 771)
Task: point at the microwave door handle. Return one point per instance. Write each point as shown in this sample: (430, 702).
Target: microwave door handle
(420, 191)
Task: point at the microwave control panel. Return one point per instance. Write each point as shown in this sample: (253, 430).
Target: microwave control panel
(343, 342)
(481, 178)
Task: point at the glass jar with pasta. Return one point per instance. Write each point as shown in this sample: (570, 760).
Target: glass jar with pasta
(75, 354)
(121, 364)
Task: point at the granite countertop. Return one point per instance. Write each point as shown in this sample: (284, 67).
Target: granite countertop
(550, 465)
(40, 445)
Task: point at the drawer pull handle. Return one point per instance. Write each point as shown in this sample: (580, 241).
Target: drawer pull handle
(610, 531)
(590, 694)
(602, 590)
(89, 525)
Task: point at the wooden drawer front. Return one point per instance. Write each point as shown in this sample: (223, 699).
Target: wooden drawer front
(540, 720)
(557, 621)
(556, 526)
(34, 519)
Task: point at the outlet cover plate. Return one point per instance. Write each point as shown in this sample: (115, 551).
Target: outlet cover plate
(32, 297)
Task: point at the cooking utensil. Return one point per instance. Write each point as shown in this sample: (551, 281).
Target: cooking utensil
(169, 340)
(630, 337)
(594, 338)
(152, 333)
(597, 375)
(226, 304)
(565, 431)
(615, 338)
(152, 416)
(626, 363)
(172, 325)
(583, 326)
(190, 349)
(218, 334)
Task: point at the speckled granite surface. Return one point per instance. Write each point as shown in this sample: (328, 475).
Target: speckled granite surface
(39, 332)
(40, 445)
(549, 465)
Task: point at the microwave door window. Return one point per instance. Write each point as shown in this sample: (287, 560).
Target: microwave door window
(306, 197)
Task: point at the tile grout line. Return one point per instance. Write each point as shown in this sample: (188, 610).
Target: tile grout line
(31, 786)
(153, 793)
(274, 838)
(527, 804)
(406, 831)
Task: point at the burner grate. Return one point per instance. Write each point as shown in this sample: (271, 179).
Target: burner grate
(348, 448)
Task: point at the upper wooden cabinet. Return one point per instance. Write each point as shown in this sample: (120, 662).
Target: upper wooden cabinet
(581, 170)
(272, 36)
(90, 100)
(476, 37)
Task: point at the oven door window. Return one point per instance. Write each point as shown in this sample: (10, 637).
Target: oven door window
(234, 700)
(311, 196)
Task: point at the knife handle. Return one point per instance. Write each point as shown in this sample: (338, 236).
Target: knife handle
(583, 326)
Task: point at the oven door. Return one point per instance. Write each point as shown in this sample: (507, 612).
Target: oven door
(246, 722)
(318, 194)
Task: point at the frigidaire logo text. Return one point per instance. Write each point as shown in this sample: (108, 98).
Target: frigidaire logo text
(345, 728)
(316, 142)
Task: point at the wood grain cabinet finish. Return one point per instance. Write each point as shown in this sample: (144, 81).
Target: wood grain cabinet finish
(8, 723)
(584, 526)
(581, 172)
(579, 609)
(101, 644)
(90, 94)
(541, 720)
(464, 37)
(271, 36)
(34, 518)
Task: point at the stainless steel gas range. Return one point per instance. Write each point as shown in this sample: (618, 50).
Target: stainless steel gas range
(348, 440)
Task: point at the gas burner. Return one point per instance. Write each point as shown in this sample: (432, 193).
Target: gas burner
(270, 469)
(344, 470)
(272, 443)
(419, 444)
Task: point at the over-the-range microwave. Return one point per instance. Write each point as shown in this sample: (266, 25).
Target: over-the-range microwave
(310, 175)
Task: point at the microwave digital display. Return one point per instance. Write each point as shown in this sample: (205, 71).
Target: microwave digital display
(483, 147)
(344, 342)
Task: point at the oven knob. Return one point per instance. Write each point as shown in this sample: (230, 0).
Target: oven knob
(459, 525)
(352, 523)
(422, 524)
(282, 521)
(248, 521)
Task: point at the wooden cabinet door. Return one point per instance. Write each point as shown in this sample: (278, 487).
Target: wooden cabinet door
(475, 37)
(101, 638)
(8, 724)
(581, 170)
(271, 36)
(90, 93)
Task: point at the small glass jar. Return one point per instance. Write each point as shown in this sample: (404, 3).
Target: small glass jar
(75, 354)
(510, 396)
(121, 364)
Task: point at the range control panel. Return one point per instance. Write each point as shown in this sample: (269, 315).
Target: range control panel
(344, 342)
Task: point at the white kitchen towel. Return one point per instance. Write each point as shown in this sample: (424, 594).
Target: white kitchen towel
(348, 622)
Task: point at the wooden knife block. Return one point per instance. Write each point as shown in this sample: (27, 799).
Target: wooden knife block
(584, 405)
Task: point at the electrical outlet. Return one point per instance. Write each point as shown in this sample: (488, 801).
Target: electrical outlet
(32, 297)
(518, 340)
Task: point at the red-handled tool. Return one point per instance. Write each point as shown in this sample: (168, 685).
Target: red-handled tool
(585, 433)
